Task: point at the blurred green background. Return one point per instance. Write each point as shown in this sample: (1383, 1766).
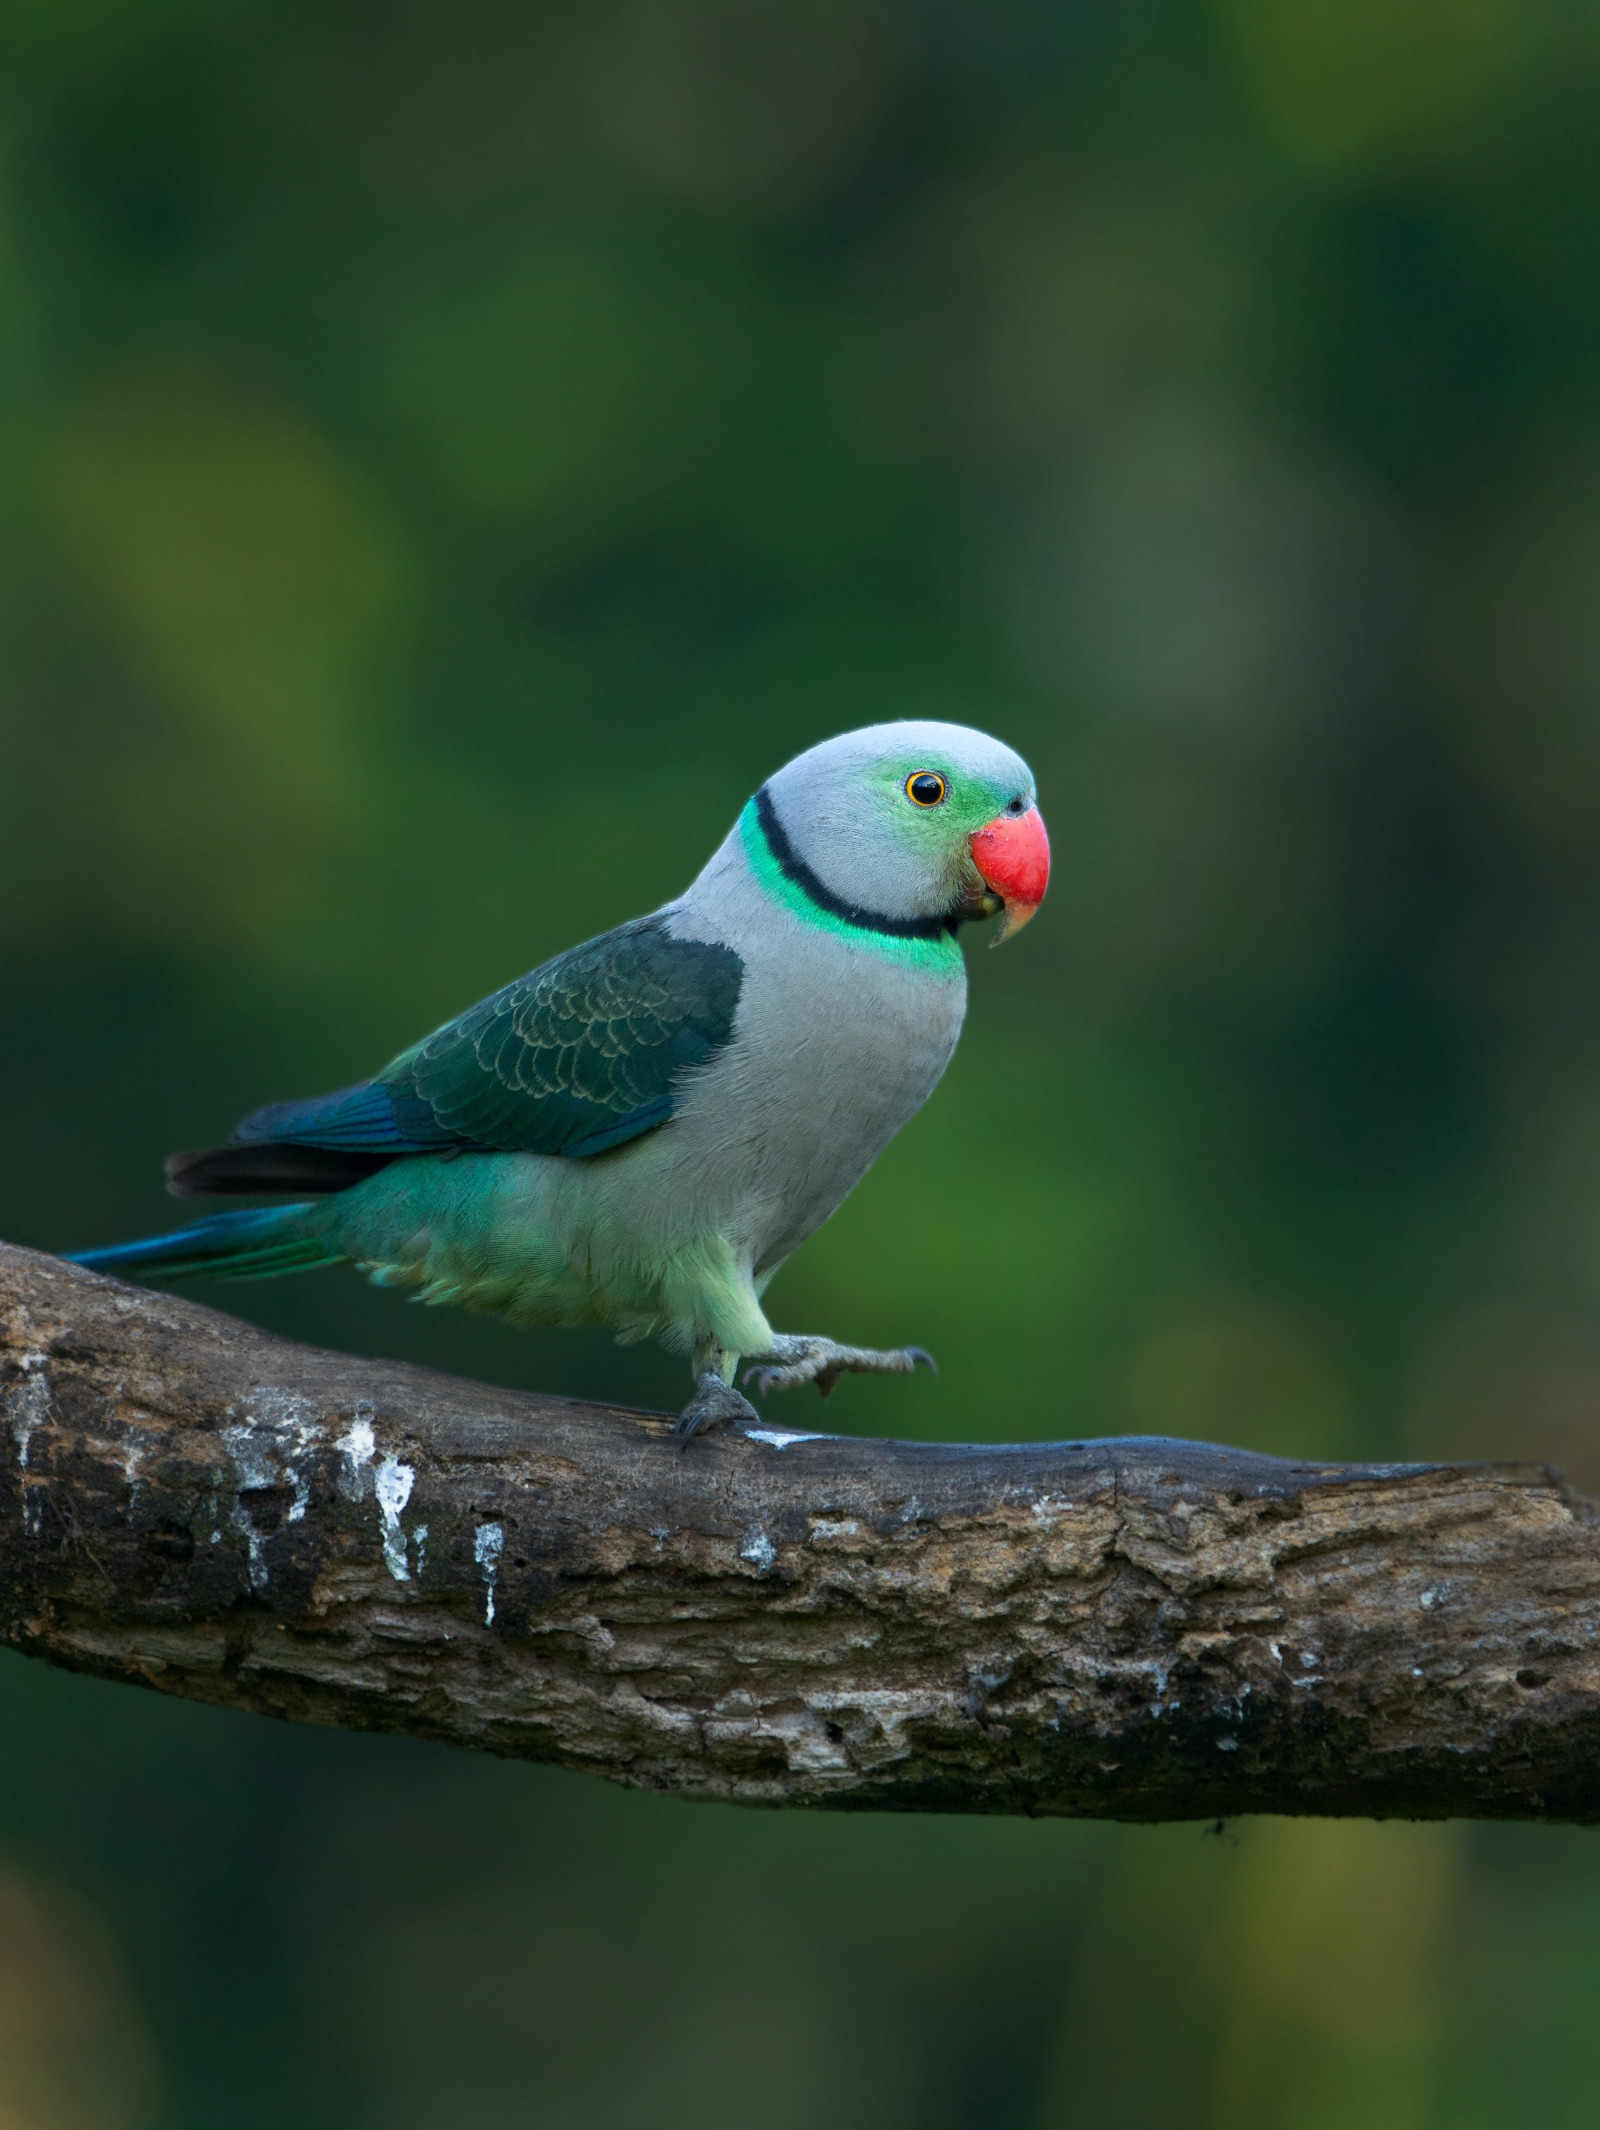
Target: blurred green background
(447, 457)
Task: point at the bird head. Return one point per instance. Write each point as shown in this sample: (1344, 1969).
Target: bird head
(914, 822)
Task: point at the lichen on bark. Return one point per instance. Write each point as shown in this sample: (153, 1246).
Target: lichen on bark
(1137, 1629)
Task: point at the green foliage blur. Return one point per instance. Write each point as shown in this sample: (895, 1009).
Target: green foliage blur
(447, 457)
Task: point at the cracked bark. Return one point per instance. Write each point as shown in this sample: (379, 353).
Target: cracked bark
(1132, 1629)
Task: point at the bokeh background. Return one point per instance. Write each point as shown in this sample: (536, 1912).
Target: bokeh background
(447, 457)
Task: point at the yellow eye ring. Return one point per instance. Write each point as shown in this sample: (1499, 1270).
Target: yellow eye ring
(925, 787)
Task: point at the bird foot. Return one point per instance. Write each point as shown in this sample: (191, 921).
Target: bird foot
(795, 1360)
(714, 1404)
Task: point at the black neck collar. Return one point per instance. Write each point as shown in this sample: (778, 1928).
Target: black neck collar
(796, 871)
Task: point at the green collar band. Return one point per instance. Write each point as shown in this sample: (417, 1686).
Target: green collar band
(784, 876)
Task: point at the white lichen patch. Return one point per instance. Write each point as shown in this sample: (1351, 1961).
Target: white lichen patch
(277, 1435)
(358, 1448)
(487, 1548)
(420, 1537)
(780, 1438)
(834, 1530)
(270, 1445)
(392, 1484)
(363, 1474)
(27, 1405)
(759, 1549)
(1048, 1509)
(130, 1453)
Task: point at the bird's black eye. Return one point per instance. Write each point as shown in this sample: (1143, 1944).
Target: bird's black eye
(1015, 807)
(925, 787)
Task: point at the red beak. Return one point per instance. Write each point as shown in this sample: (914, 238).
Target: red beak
(1013, 855)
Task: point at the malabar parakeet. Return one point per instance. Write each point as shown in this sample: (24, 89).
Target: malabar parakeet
(640, 1132)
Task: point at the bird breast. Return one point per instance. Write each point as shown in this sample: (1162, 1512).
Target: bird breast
(835, 1046)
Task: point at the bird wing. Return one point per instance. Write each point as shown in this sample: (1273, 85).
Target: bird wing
(581, 1055)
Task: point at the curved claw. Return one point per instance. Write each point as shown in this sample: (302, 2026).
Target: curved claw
(760, 1377)
(921, 1353)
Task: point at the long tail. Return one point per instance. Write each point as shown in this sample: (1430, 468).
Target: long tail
(254, 1244)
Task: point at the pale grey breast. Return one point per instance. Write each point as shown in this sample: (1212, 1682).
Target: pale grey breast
(835, 1047)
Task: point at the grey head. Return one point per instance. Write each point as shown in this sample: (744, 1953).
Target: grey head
(918, 823)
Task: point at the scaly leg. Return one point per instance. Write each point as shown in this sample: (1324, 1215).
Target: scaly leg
(794, 1359)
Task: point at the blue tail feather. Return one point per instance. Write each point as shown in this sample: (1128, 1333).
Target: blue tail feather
(257, 1243)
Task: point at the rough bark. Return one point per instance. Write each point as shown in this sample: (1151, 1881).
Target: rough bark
(1135, 1629)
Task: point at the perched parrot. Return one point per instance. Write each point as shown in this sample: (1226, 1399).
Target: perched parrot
(640, 1132)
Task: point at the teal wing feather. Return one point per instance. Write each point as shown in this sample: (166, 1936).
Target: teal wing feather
(585, 1053)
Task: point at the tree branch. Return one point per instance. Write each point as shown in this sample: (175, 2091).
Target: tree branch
(1135, 1629)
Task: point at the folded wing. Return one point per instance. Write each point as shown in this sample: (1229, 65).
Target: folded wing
(585, 1053)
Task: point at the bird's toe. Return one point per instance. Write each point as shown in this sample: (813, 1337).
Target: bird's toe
(714, 1404)
(824, 1361)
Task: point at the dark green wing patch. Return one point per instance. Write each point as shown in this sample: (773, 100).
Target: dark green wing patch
(577, 1057)
(582, 1054)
